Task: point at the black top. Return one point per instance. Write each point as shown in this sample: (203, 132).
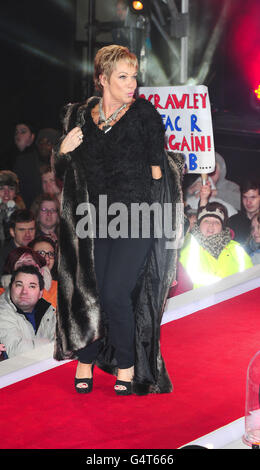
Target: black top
(27, 168)
(35, 317)
(118, 163)
(241, 226)
(7, 247)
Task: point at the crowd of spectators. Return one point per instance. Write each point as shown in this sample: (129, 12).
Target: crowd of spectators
(223, 235)
(222, 238)
(29, 241)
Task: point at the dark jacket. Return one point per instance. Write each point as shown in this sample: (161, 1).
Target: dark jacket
(27, 168)
(8, 246)
(79, 317)
(241, 226)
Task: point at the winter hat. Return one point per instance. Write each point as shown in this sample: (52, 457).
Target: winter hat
(9, 178)
(213, 209)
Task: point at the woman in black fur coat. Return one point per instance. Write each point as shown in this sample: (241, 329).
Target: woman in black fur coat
(109, 306)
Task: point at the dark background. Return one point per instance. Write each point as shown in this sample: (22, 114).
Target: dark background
(37, 54)
(40, 71)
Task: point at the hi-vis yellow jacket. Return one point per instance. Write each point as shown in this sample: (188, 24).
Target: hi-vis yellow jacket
(203, 269)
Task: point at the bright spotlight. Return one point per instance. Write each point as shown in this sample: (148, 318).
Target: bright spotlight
(255, 98)
(257, 92)
(138, 6)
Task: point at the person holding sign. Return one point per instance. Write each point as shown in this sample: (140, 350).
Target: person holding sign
(221, 187)
(209, 254)
(205, 193)
(112, 146)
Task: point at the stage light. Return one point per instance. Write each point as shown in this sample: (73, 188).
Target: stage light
(257, 92)
(255, 98)
(138, 6)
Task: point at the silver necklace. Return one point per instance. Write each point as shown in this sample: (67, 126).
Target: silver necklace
(102, 117)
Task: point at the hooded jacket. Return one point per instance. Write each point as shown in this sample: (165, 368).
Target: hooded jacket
(79, 317)
(228, 192)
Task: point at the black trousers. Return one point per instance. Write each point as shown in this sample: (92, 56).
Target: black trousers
(117, 263)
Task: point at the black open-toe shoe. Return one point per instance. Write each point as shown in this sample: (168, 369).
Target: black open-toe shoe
(127, 390)
(88, 384)
(86, 389)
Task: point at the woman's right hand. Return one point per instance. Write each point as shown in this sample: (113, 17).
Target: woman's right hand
(205, 193)
(72, 140)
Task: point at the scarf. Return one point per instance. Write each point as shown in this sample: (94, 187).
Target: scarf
(214, 244)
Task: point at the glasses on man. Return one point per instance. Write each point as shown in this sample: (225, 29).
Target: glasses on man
(45, 210)
(50, 254)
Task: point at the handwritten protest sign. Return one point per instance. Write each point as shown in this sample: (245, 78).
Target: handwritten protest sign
(186, 113)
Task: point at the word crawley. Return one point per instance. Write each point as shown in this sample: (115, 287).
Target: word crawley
(185, 101)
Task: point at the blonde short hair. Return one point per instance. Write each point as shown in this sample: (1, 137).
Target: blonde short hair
(106, 60)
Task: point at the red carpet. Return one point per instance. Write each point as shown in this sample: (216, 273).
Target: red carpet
(207, 355)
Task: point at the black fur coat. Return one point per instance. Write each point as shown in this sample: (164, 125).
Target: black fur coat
(79, 317)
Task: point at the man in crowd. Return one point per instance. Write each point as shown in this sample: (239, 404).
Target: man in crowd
(22, 230)
(45, 141)
(27, 163)
(240, 223)
(26, 319)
